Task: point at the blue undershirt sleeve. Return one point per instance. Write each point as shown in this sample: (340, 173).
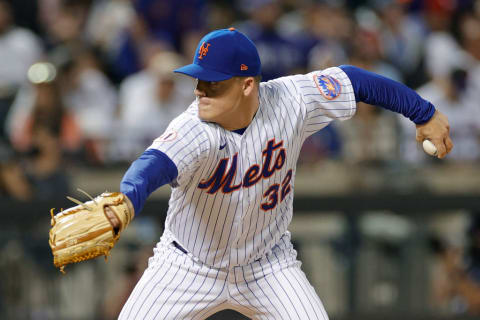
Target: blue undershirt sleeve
(374, 89)
(150, 171)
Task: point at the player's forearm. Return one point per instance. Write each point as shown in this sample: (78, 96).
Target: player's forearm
(150, 171)
(374, 89)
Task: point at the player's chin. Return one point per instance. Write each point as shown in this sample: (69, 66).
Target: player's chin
(203, 107)
(204, 114)
(205, 110)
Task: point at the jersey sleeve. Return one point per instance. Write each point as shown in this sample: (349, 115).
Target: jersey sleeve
(327, 95)
(186, 143)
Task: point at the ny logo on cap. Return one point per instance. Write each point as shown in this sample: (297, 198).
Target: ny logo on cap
(203, 50)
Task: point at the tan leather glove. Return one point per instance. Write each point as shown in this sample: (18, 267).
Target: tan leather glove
(89, 229)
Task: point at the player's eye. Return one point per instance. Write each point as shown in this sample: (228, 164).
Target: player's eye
(214, 86)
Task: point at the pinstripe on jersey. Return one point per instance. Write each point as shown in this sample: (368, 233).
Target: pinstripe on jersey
(178, 286)
(233, 197)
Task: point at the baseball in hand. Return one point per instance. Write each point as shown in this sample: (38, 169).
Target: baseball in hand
(429, 148)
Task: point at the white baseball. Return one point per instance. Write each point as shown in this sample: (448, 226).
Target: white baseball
(429, 148)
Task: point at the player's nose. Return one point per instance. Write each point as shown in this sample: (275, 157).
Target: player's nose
(199, 90)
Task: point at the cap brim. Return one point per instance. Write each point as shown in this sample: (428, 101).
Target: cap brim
(200, 73)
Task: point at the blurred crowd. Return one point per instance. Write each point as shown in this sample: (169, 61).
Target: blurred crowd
(455, 268)
(89, 82)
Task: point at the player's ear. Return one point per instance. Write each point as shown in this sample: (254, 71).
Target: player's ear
(248, 85)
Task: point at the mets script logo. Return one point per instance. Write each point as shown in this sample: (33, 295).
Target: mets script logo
(202, 52)
(274, 157)
(328, 86)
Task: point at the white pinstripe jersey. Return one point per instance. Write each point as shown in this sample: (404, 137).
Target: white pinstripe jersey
(233, 197)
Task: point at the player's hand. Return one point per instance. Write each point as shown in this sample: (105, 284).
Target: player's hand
(437, 130)
(112, 217)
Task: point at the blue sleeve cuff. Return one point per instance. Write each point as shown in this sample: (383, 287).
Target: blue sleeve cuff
(377, 90)
(150, 171)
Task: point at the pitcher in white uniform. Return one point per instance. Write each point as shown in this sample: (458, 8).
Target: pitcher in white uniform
(230, 159)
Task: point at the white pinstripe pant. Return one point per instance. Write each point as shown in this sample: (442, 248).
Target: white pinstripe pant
(175, 286)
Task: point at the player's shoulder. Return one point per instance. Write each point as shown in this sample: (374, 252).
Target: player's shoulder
(332, 78)
(299, 80)
(278, 86)
(188, 116)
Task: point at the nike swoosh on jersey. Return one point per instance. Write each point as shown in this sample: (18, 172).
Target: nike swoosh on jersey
(223, 146)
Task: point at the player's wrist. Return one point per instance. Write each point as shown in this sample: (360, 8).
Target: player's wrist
(426, 114)
(130, 207)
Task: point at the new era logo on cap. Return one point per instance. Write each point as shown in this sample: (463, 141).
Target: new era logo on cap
(223, 54)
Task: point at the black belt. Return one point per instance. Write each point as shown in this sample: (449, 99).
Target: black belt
(179, 247)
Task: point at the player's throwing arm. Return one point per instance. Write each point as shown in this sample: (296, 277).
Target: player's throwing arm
(433, 130)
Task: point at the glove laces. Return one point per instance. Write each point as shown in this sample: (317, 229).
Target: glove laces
(81, 203)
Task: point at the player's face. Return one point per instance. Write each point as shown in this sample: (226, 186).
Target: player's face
(221, 101)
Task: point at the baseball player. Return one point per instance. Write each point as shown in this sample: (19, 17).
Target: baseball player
(230, 159)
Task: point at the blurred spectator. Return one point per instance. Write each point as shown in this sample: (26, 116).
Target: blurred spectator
(455, 97)
(469, 25)
(472, 259)
(64, 22)
(41, 104)
(13, 183)
(456, 92)
(107, 20)
(402, 37)
(166, 21)
(325, 55)
(86, 91)
(171, 19)
(19, 48)
(321, 41)
(189, 43)
(371, 136)
(124, 286)
(43, 130)
(366, 52)
(44, 168)
(221, 13)
(149, 100)
(91, 99)
(323, 144)
(278, 54)
(125, 283)
(459, 292)
(442, 51)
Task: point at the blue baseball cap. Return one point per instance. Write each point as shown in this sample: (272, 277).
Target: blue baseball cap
(223, 54)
